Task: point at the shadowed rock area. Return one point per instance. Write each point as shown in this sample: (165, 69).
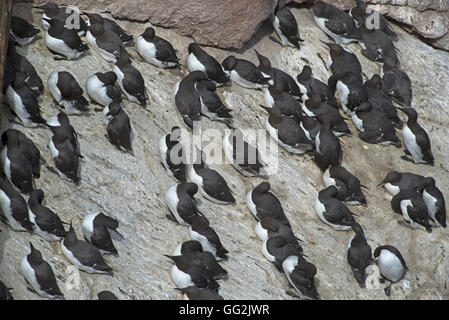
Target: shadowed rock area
(131, 188)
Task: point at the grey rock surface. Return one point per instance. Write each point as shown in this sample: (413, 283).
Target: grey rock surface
(131, 188)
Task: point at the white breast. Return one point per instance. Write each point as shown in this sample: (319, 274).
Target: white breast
(59, 46)
(327, 179)
(97, 91)
(305, 131)
(393, 190)
(261, 232)
(5, 204)
(15, 102)
(317, 142)
(250, 204)
(120, 77)
(431, 204)
(163, 150)
(207, 246)
(269, 101)
(52, 86)
(172, 200)
(30, 275)
(180, 278)
(266, 253)
(276, 27)
(390, 266)
(410, 143)
(194, 64)
(342, 93)
(87, 225)
(358, 123)
(6, 163)
(404, 204)
(108, 56)
(243, 82)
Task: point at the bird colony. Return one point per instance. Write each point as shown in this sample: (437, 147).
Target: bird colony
(309, 118)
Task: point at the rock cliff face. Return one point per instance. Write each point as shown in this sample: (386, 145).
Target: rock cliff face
(230, 24)
(132, 188)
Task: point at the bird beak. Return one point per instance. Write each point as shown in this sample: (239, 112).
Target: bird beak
(380, 185)
(265, 108)
(326, 43)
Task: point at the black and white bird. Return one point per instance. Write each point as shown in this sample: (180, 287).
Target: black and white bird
(185, 273)
(332, 211)
(22, 32)
(106, 42)
(286, 132)
(416, 140)
(130, 80)
(15, 63)
(181, 202)
(201, 231)
(17, 167)
(310, 85)
(200, 60)
(281, 81)
(64, 41)
(284, 23)
(156, 50)
(313, 107)
(277, 249)
(435, 203)
(109, 26)
(396, 182)
(374, 126)
(67, 93)
(120, 131)
(101, 88)
(195, 254)
(269, 227)
(47, 223)
(310, 126)
(342, 60)
(336, 23)
(15, 139)
(396, 83)
(172, 154)
(14, 209)
(5, 292)
(328, 150)
(84, 255)
(245, 73)
(379, 100)
(210, 183)
(245, 158)
(377, 46)
(262, 203)
(391, 264)
(349, 187)
(96, 229)
(39, 275)
(187, 99)
(23, 101)
(64, 147)
(413, 209)
(349, 90)
(359, 254)
(368, 16)
(282, 100)
(69, 16)
(301, 275)
(211, 105)
(195, 293)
